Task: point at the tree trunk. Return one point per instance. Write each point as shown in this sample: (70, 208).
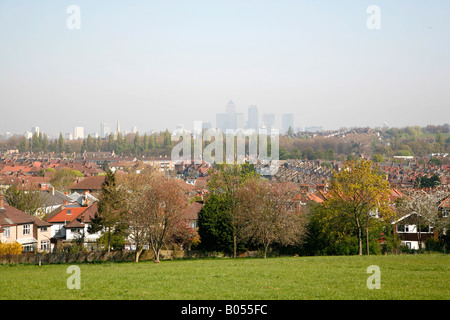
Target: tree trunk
(266, 247)
(156, 252)
(234, 246)
(109, 240)
(138, 254)
(367, 240)
(419, 235)
(359, 237)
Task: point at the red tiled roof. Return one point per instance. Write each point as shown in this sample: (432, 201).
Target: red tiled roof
(192, 210)
(89, 183)
(66, 214)
(90, 212)
(445, 203)
(74, 224)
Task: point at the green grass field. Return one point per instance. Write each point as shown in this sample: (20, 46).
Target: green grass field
(405, 277)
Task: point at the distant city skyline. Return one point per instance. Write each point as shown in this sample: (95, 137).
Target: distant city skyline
(154, 65)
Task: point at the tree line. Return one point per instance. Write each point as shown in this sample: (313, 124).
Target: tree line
(408, 141)
(243, 213)
(148, 144)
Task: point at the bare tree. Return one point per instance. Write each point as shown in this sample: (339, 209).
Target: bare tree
(269, 215)
(135, 188)
(163, 203)
(423, 205)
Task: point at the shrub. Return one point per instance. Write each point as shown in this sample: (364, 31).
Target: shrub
(10, 248)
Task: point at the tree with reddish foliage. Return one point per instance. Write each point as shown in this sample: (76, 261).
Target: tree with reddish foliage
(155, 211)
(268, 214)
(164, 202)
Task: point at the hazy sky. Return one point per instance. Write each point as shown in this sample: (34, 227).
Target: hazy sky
(156, 64)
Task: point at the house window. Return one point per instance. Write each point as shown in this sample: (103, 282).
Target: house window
(404, 228)
(45, 245)
(26, 229)
(426, 229)
(445, 213)
(28, 247)
(69, 211)
(408, 245)
(6, 232)
(43, 229)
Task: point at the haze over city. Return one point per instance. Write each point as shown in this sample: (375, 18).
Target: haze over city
(157, 64)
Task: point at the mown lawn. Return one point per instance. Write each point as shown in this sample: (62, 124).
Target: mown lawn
(405, 277)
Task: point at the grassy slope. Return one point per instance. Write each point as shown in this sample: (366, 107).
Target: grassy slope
(402, 277)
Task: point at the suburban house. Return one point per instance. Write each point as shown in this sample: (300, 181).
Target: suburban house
(79, 227)
(53, 200)
(91, 184)
(444, 207)
(17, 226)
(191, 213)
(71, 224)
(413, 229)
(59, 218)
(85, 199)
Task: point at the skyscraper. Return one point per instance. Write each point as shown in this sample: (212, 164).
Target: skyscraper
(105, 130)
(35, 130)
(253, 118)
(78, 133)
(287, 122)
(231, 108)
(269, 120)
(230, 119)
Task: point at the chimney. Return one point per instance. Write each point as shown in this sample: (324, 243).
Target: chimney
(2, 201)
(320, 187)
(303, 196)
(53, 190)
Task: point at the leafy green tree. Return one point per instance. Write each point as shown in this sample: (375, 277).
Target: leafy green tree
(44, 143)
(61, 147)
(64, 178)
(226, 182)
(327, 233)
(36, 143)
(427, 182)
(167, 139)
(23, 145)
(436, 161)
(137, 143)
(290, 132)
(28, 201)
(111, 208)
(145, 142)
(440, 142)
(378, 158)
(111, 143)
(360, 193)
(90, 144)
(214, 225)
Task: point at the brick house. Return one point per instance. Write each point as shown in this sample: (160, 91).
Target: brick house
(17, 226)
(413, 229)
